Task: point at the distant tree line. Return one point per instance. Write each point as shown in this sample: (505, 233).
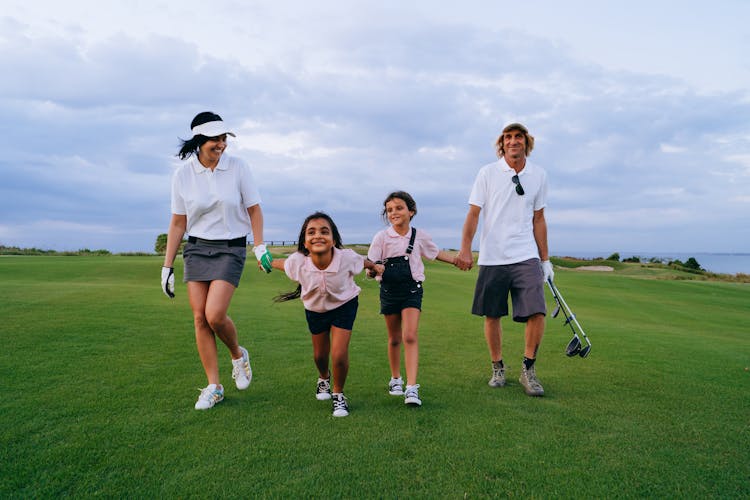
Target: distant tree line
(690, 264)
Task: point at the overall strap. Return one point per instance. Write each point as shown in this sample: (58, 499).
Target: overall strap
(411, 240)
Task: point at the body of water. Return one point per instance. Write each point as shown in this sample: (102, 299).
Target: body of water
(725, 263)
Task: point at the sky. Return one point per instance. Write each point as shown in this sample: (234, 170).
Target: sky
(640, 110)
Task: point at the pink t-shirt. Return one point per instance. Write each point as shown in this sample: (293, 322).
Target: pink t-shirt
(326, 289)
(388, 243)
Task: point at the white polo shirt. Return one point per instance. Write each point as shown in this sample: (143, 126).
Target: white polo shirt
(215, 202)
(388, 243)
(326, 289)
(507, 217)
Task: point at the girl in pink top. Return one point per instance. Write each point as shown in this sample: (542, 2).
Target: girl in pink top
(325, 272)
(401, 248)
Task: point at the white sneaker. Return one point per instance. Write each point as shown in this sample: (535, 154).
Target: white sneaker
(323, 392)
(412, 395)
(209, 397)
(396, 387)
(241, 371)
(340, 408)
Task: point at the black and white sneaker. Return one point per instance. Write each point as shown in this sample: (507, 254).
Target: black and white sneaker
(396, 387)
(323, 392)
(411, 397)
(340, 408)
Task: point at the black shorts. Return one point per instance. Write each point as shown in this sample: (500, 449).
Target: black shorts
(397, 297)
(523, 280)
(342, 317)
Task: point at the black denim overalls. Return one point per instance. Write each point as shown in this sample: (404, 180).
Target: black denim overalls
(397, 283)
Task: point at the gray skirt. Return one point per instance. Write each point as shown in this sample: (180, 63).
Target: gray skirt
(213, 261)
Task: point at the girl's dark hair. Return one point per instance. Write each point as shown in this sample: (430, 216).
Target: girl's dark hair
(191, 146)
(295, 294)
(401, 195)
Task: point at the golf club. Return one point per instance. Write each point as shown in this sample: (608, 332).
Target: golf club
(574, 346)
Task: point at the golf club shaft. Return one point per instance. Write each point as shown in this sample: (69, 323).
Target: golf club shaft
(570, 317)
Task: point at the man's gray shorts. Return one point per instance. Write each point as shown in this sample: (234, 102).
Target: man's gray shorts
(525, 282)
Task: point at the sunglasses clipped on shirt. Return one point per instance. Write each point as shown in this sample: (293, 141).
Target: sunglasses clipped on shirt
(519, 187)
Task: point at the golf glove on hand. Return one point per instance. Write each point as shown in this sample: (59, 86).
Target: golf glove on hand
(264, 257)
(549, 274)
(167, 281)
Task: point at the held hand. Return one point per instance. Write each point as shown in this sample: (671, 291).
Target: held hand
(549, 273)
(376, 270)
(264, 257)
(167, 281)
(464, 260)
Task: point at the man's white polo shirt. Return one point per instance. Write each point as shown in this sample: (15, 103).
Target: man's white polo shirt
(507, 217)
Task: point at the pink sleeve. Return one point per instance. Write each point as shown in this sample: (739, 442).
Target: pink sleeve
(355, 262)
(427, 247)
(375, 252)
(293, 264)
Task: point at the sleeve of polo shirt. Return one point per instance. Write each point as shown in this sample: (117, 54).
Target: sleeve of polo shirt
(177, 202)
(478, 194)
(375, 252)
(541, 198)
(248, 187)
(293, 264)
(355, 261)
(427, 247)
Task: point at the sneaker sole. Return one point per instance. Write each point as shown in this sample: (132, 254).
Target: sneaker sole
(533, 393)
(323, 396)
(341, 414)
(413, 402)
(496, 384)
(396, 393)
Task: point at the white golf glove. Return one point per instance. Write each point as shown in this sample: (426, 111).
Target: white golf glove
(264, 257)
(167, 281)
(549, 274)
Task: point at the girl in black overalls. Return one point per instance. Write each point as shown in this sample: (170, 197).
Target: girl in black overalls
(400, 249)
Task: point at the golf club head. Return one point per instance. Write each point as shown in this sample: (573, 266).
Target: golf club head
(585, 351)
(556, 311)
(574, 347)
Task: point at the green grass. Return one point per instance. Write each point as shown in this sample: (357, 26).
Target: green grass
(100, 372)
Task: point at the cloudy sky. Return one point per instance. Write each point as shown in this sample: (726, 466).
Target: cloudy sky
(640, 109)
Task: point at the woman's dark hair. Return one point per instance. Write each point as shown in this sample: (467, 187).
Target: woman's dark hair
(295, 294)
(191, 146)
(411, 205)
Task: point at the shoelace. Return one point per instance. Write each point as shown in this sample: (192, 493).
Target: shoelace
(207, 394)
(339, 404)
(396, 384)
(324, 386)
(239, 366)
(412, 393)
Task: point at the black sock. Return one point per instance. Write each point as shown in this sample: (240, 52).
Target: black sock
(498, 364)
(528, 362)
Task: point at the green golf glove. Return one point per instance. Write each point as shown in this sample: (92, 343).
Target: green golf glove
(264, 257)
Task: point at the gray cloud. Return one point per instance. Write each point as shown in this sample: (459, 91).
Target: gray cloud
(635, 160)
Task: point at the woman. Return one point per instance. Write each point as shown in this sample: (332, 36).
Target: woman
(216, 202)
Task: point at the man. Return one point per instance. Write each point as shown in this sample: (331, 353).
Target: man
(511, 194)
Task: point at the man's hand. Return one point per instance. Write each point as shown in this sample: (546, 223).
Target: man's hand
(464, 260)
(167, 281)
(549, 274)
(264, 257)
